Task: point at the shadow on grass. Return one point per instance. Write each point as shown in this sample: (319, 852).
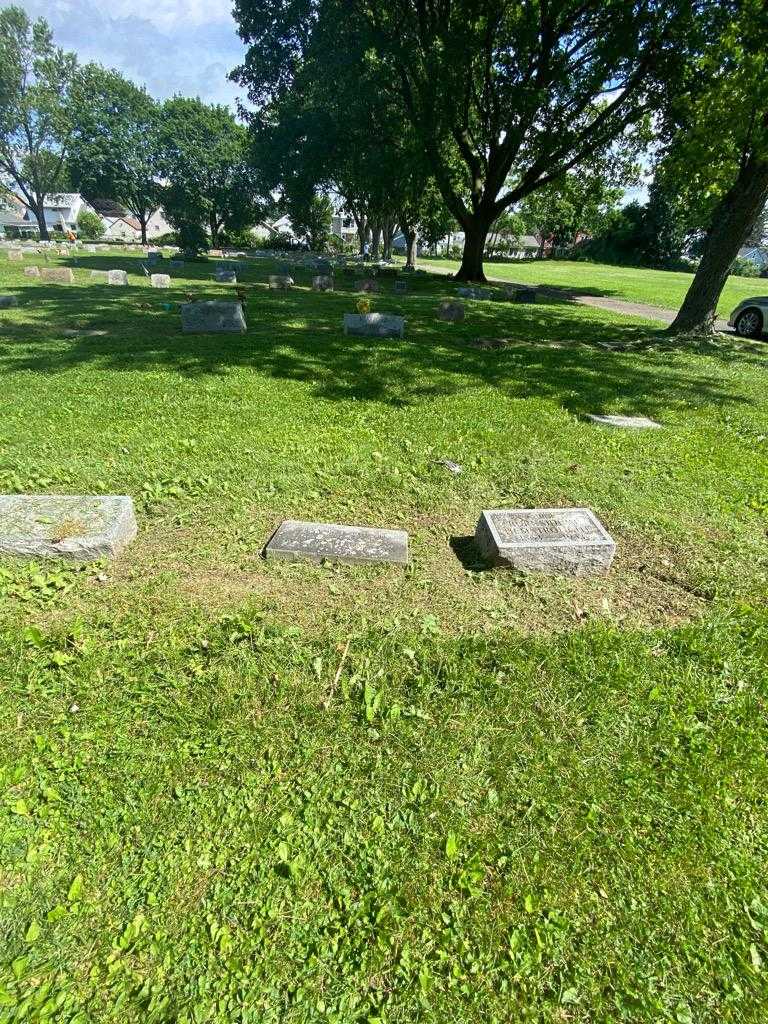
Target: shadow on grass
(554, 349)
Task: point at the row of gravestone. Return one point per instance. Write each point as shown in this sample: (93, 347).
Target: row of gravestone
(564, 541)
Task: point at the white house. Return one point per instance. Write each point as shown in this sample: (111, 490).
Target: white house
(758, 254)
(124, 228)
(61, 210)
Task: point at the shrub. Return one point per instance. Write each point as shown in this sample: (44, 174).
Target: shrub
(89, 225)
(743, 267)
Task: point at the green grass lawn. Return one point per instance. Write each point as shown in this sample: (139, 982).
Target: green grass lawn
(656, 287)
(245, 791)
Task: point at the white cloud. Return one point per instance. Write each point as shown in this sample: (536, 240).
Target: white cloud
(170, 46)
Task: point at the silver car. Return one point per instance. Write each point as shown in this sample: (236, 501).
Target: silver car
(750, 318)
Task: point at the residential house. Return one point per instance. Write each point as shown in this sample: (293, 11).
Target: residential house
(757, 254)
(61, 211)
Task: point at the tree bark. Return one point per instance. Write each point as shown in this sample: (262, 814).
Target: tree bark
(143, 224)
(375, 239)
(733, 219)
(214, 226)
(411, 240)
(39, 212)
(388, 233)
(475, 233)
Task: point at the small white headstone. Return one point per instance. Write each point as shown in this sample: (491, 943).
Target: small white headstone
(80, 528)
(627, 422)
(117, 277)
(160, 281)
(318, 542)
(561, 541)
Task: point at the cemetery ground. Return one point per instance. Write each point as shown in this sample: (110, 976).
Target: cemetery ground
(663, 288)
(241, 790)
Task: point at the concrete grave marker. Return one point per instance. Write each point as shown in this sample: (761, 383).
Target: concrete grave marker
(212, 318)
(80, 528)
(15, 255)
(374, 325)
(57, 275)
(225, 276)
(317, 542)
(278, 281)
(451, 312)
(31, 271)
(6, 301)
(160, 280)
(627, 422)
(368, 285)
(322, 283)
(559, 541)
(474, 293)
(117, 277)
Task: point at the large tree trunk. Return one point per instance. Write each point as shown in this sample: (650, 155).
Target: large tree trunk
(362, 232)
(214, 226)
(39, 212)
(733, 219)
(375, 239)
(143, 224)
(475, 233)
(411, 240)
(388, 233)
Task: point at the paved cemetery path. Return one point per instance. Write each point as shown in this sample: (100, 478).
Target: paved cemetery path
(641, 309)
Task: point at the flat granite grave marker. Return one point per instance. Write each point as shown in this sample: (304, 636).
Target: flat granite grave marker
(212, 318)
(277, 281)
(6, 301)
(318, 542)
(160, 280)
(627, 422)
(451, 312)
(374, 325)
(559, 541)
(117, 277)
(57, 275)
(31, 271)
(77, 527)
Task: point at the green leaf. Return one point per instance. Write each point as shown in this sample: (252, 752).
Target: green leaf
(75, 889)
(451, 846)
(33, 933)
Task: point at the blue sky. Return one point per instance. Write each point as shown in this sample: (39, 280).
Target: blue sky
(169, 46)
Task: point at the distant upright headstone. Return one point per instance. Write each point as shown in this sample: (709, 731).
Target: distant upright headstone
(474, 293)
(367, 285)
(625, 422)
(225, 276)
(561, 541)
(374, 325)
(15, 255)
(401, 287)
(451, 312)
(80, 528)
(215, 252)
(117, 277)
(280, 281)
(322, 283)
(6, 301)
(295, 540)
(160, 280)
(32, 271)
(57, 275)
(212, 318)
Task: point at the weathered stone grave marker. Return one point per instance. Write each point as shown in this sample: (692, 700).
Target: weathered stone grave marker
(160, 280)
(31, 271)
(559, 541)
(119, 277)
(15, 255)
(374, 325)
(77, 527)
(280, 281)
(57, 275)
(225, 276)
(322, 283)
(317, 542)
(451, 312)
(212, 318)
(626, 422)
(368, 285)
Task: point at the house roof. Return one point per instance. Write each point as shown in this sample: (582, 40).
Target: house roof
(108, 207)
(529, 242)
(61, 200)
(131, 221)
